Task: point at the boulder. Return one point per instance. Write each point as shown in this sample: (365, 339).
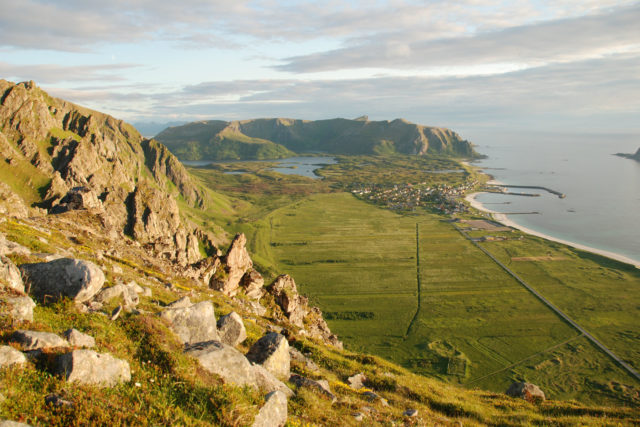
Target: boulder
(375, 397)
(274, 411)
(267, 382)
(7, 247)
(319, 386)
(183, 302)
(272, 352)
(110, 293)
(10, 356)
(237, 262)
(77, 198)
(193, 324)
(78, 339)
(527, 391)
(20, 308)
(253, 284)
(231, 329)
(285, 293)
(319, 329)
(10, 275)
(225, 361)
(410, 413)
(10, 203)
(90, 368)
(35, 340)
(357, 381)
(203, 270)
(299, 357)
(8, 423)
(74, 278)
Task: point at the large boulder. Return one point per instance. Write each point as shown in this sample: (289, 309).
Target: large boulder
(253, 283)
(193, 324)
(35, 340)
(231, 329)
(527, 391)
(274, 412)
(20, 308)
(225, 361)
(10, 275)
(285, 293)
(266, 381)
(272, 352)
(237, 261)
(73, 278)
(90, 368)
(78, 339)
(10, 356)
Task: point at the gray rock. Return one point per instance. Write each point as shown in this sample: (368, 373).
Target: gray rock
(285, 292)
(231, 329)
(299, 357)
(193, 324)
(225, 361)
(20, 308)
(358, 416)
(90, 368)
(10, 275)
(7, 247)
(410, 413)
(180, 303)
(146, 292)
(357, 381)
(237, 262)
(274, 412)
(253, 284)
(527, 391)
(35, 340)
(78, 339)
(319, 386)
(11, 356)
(110, 293)
(115, 313)
(77, 198)
(272, 352)
(55, 400)
(7, 423)
(74, 278)
(267, 382)
(375, 397)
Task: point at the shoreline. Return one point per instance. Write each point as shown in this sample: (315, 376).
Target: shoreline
(504, 220)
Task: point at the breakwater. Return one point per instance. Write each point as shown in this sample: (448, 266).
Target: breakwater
(534, 187)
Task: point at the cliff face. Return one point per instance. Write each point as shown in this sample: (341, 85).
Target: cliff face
(50, 147)
(335, 136)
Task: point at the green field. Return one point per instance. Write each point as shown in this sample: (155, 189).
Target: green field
(476, 324)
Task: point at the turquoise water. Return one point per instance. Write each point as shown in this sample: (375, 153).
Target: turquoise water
(303, 166)
(602, 204)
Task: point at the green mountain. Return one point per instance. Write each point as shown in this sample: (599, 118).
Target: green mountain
(277, 138)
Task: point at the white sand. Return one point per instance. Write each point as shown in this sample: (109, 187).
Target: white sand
(502, 218)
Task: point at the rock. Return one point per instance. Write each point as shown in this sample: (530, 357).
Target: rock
(285, 292)
(527, 391)
(147, 292)
(253, 284)
(237, 262)
(7, 423)
(20, 308)
(78, 339)
(10, 203)
(55, 400)
(183, 302)
(272, 352)
(10, 275)
(231, 329)
(357, 381)
(115, 313)
(410, 413)
(112, 292)
(10, 356)
(375, 397)
(319, 329)
(358, 416)
(74, 278)
(274, 412)
(193, 324)
(203, 270)
(267, 382)
(319, 386)
(7, 247)
(299, 357)
(77, 198)
(34, 340)
(90, 368)
(225, 361)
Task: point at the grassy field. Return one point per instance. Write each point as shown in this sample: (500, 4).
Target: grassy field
(476, 325)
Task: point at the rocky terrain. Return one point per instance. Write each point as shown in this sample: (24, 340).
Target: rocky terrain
(115, 310)
(276, 138)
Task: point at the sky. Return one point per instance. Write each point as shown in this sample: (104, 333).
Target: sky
(561, 65)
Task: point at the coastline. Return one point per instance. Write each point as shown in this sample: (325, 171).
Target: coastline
(504, 220)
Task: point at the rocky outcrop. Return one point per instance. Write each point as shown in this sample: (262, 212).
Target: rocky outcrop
(527, 391)
(225, 361)
(90, 368)
(319, 386)
(78, 339)
(253, 285)
(236, 263)
(10, 356)
(65, 277)
(7, 247)
(78, 198)
(10, 203)
(35, 340)
(266, 381)
(231, 329)
(274, 411)
(193, 324)
(272, 352)
(10, 275)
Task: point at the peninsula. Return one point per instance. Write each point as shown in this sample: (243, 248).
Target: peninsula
(635, 156)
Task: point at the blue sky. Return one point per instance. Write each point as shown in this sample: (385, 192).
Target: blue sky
(570, 65)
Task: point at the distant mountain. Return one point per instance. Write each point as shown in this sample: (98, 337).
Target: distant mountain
(277, 138)
(635, 157)
(148, 129)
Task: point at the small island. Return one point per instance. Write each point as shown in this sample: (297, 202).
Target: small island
(635, 157)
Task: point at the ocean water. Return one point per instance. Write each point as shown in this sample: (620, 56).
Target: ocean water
(602, 204)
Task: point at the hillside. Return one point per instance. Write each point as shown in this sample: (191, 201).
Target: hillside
(277, 138)
(115, 310)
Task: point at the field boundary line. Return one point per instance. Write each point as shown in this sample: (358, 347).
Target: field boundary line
(415, 316)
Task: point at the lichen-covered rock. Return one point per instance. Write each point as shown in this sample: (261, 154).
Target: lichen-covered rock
(231, 329)
(272, 352)
(268, 382)
(527, 391)
(90, 368)
(319, 386)
(74, 278)
(285, 292)
(274, 411)
(20, 308)
(225, 361)
(10, 275)
(78, 339)
(36, 340)
(253, 284)
(236, 263)
(10, 356)
(193, 324)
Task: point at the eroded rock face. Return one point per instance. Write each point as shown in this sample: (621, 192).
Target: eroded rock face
(193, 324)
(224, 360)
(285, 292)
(253, 284)
(10, 356)
(204, 269)
(231, 329)
(272, 352)
(318, 328)
(10, 275)
(20, 308)
(74, 278)
(274, 411)
(90, 368)
(78, 198)
(527, 391)
(236, 264)
(35, 340)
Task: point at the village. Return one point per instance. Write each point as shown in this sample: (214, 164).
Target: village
(407, 197)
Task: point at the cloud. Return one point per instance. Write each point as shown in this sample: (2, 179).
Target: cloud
(53, 73)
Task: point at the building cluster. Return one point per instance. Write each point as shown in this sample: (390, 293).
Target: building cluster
(407, 197)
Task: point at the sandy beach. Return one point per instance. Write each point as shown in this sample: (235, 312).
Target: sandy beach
(501, 218)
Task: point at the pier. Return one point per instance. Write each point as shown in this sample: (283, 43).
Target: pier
(534, 187)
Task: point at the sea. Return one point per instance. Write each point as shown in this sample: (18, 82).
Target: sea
(602, 204)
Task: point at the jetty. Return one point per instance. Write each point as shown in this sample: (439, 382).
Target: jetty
(533, 187)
